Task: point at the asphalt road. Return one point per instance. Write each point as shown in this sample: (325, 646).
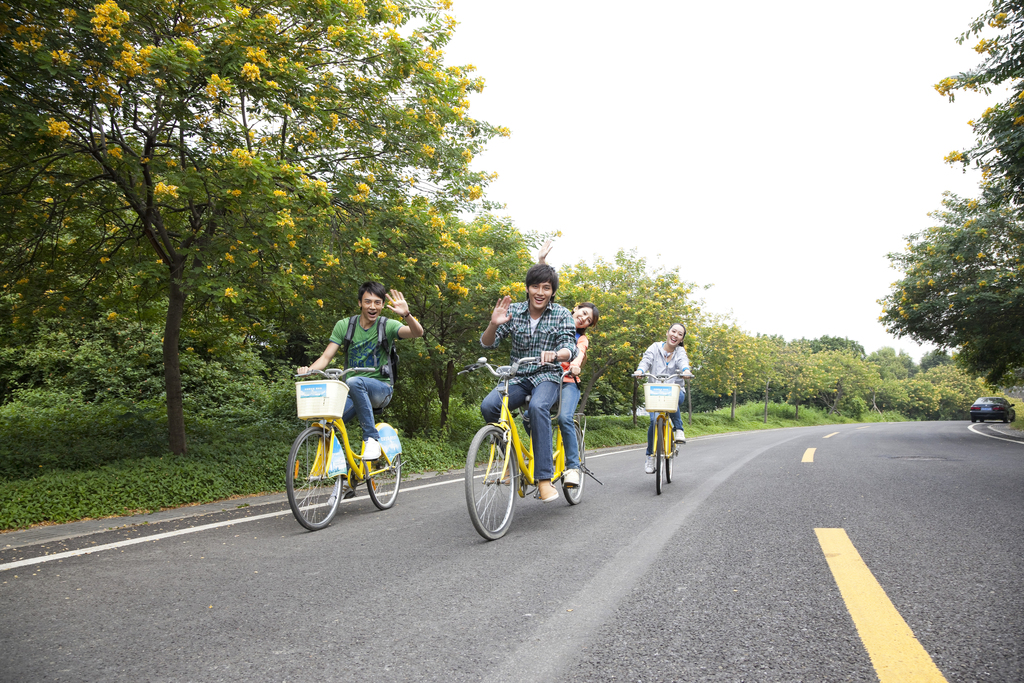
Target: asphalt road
(721, 578)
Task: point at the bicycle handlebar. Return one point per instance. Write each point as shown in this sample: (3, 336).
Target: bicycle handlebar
(662, 378)
(509, 370)
(334, 373)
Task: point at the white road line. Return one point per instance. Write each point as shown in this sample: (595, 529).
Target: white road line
(191, 530)
(974, 429)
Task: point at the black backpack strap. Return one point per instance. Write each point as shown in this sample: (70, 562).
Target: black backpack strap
(352, 322)
(386, 349)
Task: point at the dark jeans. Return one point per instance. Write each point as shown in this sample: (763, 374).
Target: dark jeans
(542, 398)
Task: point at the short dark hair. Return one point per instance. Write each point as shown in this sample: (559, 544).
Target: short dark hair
(372, 287)
(541, 273)
(594, 315)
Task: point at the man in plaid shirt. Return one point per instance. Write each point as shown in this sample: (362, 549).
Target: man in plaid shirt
(538, 327)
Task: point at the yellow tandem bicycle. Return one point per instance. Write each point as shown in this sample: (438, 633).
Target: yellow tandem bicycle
(323, 469)
(499, 467)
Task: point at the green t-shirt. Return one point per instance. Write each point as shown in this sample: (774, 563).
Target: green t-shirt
(364, 352)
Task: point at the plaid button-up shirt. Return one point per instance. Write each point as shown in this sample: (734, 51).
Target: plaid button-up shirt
(555, 331)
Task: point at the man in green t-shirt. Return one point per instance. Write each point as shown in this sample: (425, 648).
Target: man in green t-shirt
(369, 390)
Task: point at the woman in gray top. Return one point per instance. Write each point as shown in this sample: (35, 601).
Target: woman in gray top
(666, 358)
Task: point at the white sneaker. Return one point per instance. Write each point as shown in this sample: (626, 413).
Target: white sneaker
(571, 478)
(649, 467)
(371, 449)
(680, 436)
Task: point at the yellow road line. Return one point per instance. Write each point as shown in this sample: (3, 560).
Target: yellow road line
(895, 653)
(809, 455)
(828, 435)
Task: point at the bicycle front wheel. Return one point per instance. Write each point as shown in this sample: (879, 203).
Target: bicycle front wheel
(670, 457)
(312, 495)
(659, 454)
(492, 475)
(574, 494)
(383, 483)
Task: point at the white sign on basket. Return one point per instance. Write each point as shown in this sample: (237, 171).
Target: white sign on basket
(312, 390)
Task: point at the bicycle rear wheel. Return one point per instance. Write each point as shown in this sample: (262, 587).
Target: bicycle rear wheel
(574, 494)
(312, 495)
(384, 483)
(659, 453)
(492, 475)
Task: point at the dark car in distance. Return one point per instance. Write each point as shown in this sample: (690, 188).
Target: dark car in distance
(992, 408)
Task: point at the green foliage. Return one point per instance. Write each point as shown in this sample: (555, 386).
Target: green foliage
(934, 359)
(1000, 137)
(637, 308)
(962, 286)
(216, 164)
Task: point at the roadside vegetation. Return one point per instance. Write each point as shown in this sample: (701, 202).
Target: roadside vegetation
(76, 460)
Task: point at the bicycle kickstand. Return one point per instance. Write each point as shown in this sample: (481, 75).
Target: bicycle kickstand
(590, 474)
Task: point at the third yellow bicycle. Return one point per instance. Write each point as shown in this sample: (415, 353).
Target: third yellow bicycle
(661, 397)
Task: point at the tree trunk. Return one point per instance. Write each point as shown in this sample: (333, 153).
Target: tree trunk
(582, 407)
(444, 389)
(839, 396)
(172, 363)
(797, 404)
(873, 404)
(766, 385)
(734, 391)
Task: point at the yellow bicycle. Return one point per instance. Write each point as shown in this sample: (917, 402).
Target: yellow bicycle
(661, 397)
(323, 469)
(499, 468)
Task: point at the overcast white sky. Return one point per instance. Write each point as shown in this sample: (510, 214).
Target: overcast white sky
(775, 150)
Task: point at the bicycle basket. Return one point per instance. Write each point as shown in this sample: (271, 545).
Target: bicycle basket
(661, 397)
(323, 398)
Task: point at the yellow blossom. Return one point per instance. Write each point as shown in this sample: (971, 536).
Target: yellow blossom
(57, 129)
(230, 293)
(250, 72)
(112, 316)
(161, 188)
(61, 57)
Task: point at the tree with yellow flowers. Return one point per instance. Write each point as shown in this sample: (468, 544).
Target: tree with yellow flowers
(209, 161)
(636, 309)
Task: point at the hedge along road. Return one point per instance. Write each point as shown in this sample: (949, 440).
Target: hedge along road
(723, 577)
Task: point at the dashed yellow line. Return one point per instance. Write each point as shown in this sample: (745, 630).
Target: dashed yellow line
(895, 653)
(828, 435)
(809, 455)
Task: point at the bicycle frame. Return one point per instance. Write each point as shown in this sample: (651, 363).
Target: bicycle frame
(359, 470)
(506, 422)
(524, 453)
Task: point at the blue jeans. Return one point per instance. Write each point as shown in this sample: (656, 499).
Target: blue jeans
(570, 399)
(365, 394)
(676, 418)
(542, 397)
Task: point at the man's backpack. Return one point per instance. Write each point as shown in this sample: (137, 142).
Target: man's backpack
(388, 354)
